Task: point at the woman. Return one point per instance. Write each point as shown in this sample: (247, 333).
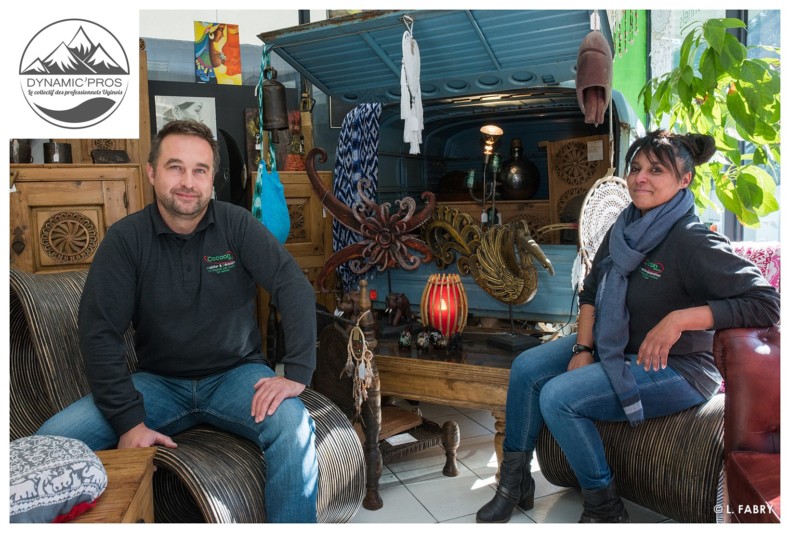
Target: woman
(672, 281)
(184, 111)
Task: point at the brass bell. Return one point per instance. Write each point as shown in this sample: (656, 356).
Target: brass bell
(275, 113)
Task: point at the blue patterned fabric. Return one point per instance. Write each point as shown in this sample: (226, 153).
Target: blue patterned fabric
(356, 158)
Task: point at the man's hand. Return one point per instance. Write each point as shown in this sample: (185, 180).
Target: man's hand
(579, 360)
(269, 394)
(142, 437)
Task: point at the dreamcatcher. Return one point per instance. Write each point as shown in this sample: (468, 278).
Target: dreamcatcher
(359, 364)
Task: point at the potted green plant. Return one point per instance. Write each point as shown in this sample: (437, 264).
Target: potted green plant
(718, 90)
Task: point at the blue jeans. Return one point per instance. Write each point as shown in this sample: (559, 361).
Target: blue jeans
(541, 390)
(224, 401)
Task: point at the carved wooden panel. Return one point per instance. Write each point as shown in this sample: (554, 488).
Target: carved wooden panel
(574, 165)
(307, 238)
(67, 236)
(59, 213)
(298, 217)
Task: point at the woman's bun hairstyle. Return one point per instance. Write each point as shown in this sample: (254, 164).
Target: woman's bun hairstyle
(701, 147)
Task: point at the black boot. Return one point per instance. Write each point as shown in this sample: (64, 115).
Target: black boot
(603, 506)
(516, 487)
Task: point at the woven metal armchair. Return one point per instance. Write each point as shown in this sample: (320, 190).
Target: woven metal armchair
(213, 476)
(673, 465)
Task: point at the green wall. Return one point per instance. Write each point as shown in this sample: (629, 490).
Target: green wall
(630, 70)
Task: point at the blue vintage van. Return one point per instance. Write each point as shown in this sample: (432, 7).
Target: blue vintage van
(514, 69)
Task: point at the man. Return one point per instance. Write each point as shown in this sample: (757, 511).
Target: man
(183, 272)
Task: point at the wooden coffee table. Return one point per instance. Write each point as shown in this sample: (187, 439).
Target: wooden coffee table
(477, 378)
(128, 497)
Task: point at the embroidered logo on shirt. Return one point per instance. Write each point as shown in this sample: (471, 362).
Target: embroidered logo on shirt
(219, 264)
(651, 269)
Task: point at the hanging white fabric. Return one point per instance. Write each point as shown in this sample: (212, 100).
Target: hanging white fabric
(410, 95)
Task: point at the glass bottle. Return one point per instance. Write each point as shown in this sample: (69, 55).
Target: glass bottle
(520, 177)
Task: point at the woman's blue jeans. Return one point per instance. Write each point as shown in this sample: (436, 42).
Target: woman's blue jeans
(225, 401)
(541, 390)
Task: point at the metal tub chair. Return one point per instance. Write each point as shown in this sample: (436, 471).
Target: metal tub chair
(212, 476)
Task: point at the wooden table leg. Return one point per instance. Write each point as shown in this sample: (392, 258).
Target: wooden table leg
(371, 423)
(451, 438)
(499, 437)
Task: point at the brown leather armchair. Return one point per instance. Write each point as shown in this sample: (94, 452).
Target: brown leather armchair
(748, 359)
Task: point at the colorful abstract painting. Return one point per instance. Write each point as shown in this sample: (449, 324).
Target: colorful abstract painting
(217, 53)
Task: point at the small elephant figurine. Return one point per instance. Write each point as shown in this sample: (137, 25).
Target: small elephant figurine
(398, 308)
(348, 305)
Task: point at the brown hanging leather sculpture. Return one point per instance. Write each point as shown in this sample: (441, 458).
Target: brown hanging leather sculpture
(594, 77)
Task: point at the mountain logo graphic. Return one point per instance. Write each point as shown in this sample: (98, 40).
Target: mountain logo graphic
(74, 73)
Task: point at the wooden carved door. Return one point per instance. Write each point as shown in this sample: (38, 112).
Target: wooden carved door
(310, 239)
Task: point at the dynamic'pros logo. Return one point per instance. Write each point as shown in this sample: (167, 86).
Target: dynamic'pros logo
(74, 73)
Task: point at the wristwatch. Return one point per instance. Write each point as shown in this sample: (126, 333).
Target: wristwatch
(579, 348)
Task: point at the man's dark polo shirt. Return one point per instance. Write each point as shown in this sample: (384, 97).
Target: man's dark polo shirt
(192, 302)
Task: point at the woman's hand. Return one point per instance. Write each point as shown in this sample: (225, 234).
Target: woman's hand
(654, 350)
(579, 360)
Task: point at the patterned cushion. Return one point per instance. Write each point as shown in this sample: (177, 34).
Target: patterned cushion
(766, 255)
(53, 479)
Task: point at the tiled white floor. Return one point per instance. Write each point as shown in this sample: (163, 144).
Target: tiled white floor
(415, 491)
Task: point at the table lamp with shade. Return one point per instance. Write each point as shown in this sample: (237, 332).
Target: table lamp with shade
(491, 134)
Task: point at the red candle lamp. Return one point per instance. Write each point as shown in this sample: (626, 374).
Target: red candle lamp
(443, 305)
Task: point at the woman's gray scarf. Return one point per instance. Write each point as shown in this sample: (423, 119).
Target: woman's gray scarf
(633, 237)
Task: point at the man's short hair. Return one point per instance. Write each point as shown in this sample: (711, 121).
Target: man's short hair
(184, 127)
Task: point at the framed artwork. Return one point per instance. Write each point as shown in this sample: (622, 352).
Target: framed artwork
(169, 108)
(217, 53)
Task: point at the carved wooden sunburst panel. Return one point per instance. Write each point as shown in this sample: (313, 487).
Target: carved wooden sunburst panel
(572, 165)
(69, 237)
(298, 228)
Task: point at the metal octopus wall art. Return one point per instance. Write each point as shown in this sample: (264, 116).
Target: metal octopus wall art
(387, 238)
